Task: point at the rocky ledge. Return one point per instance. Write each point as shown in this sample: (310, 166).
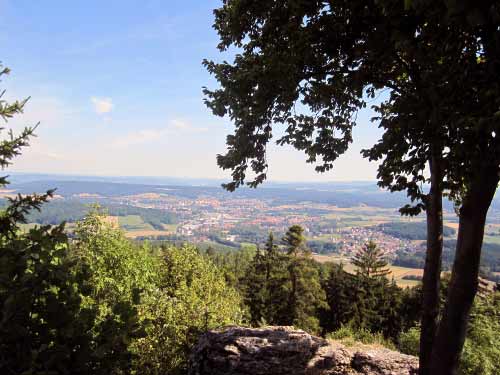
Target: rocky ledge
(285, 350)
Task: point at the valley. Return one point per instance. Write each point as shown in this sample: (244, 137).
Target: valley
(337, 218)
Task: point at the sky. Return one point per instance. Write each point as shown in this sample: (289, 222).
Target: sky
(117, 89)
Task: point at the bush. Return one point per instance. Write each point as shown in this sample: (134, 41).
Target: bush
(350, 336)
(481, 355)
(193, 298)
(409, 341)
(481, 352)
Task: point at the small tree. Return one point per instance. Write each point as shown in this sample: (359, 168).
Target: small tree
(370, 261)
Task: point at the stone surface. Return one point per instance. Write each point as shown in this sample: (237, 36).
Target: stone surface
(285, 350)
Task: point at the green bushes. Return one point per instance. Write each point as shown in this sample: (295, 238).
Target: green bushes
(43, 326)
(192, 298)
(103, 304)
(481, 353)
(409, 341)
(154, 301)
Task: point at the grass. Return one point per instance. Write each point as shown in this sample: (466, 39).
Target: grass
(492, 239)
(133, 223)
(170, 227)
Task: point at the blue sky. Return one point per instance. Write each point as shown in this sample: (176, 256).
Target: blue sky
(116, 86)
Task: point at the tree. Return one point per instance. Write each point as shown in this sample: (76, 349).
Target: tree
(305, 295)
(370, 261)
(367, 303)
(329, 58)
(44, 327)
(265, 285)
(256, 289)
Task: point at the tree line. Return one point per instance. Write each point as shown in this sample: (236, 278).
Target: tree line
(281, 284)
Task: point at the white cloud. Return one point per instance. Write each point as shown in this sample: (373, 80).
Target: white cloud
(102, 105)
(179, 124)
(140, 137)
(186, 126)
(174, 127)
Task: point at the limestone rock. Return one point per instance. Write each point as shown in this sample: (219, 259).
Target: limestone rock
(288, 351)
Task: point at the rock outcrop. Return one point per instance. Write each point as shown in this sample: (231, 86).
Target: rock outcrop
(287, 351)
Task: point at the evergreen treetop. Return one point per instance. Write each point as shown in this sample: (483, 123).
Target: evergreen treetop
(369, 260)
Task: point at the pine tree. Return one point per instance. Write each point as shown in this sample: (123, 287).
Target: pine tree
(370, 261)
(255, 287)
(264, 285)
(305, 297)
(44, 327)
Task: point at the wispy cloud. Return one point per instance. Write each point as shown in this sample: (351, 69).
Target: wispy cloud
(142, 136)
(174, 127)
(186, 126)
(102, 105)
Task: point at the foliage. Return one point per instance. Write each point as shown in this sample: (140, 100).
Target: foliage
(44, 328)
(410, 230)
(371, 303)
(233, 263)
(482, 345)
(481, 350)
(265, 285)
(72, 210)
(167, 296)
(305, 295)
(409, 341)
(370, 261)
(192, 297)
(283, 288)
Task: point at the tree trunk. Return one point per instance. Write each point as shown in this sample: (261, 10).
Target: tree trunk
(432, 269)
(464, 278)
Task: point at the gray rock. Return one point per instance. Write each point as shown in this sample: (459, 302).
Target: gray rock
(285, 350)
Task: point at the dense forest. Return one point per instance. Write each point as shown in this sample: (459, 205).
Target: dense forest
(411, 231)
(72, 210)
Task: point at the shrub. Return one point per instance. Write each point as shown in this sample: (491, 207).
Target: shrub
(350, 336)
(193, 297)
(409, 341)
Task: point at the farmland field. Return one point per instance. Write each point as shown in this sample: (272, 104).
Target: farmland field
(133, 223)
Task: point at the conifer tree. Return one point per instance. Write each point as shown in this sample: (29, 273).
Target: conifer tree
(305, 296)
(276, 282)
(44, 327)
(370, 261)
(265, 286)
(255, 288)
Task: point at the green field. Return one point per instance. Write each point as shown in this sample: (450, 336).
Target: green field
(170, 227)
(492, 239)
(133, 223)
